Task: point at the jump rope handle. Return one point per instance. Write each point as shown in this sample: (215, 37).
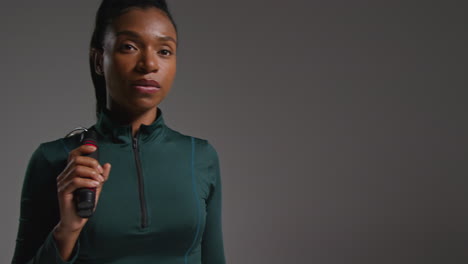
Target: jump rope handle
(85, 197)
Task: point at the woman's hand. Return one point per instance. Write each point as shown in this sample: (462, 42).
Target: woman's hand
(80, 172)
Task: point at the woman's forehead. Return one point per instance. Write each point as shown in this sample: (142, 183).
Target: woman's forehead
(141, 23)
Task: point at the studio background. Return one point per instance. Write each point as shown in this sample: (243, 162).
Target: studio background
(340, 125)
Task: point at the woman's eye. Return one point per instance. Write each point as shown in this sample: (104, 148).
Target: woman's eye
(127, 47)
(165, 52)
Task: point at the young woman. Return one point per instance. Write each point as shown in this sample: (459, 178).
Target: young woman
(161, 200)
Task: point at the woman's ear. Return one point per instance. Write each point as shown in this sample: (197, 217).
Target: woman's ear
(98, 61)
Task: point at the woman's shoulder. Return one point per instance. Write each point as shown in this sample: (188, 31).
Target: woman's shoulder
(56, 150)
(203, 146)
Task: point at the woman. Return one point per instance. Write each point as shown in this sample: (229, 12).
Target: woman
(162, 198)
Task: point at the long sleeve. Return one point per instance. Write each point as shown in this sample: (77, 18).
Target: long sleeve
(212, 242)
(35, 243)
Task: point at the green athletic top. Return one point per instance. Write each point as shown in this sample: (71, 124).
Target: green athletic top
(161, 203)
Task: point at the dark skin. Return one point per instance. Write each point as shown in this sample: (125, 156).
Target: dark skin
(141, 44)
(146, 50)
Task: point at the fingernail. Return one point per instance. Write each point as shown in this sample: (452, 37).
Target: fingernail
(101, 170)
(95, 183)
(91, 147)
(101, 178)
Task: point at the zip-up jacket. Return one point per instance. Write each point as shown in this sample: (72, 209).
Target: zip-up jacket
(161, 203)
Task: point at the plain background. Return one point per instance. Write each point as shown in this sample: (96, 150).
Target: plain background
(340, 125)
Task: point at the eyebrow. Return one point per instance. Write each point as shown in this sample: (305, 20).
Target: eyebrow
(136, 35)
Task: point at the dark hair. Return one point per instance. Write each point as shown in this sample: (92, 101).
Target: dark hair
(107, 12)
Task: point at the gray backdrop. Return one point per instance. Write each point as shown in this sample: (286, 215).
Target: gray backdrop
(340, 125)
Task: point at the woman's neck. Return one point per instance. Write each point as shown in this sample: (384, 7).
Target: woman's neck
(134, 119)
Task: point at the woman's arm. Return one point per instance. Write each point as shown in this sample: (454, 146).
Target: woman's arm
(212, 242)
(66, 242)
(36, 243)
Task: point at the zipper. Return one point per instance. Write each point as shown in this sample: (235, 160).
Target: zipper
(140, 182)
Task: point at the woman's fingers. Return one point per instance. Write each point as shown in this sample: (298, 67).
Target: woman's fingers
(71, 185)
(82, 150)
(80, 171)
(80, 160)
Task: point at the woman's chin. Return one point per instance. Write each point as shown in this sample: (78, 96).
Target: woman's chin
(142, 106)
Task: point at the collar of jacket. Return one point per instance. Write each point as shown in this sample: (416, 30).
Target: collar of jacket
(109, 128)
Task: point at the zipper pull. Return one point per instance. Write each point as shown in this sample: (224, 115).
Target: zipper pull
(135, 140)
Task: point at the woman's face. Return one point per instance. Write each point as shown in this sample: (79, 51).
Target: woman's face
(139, 45)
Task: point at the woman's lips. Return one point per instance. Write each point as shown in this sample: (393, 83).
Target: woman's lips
(146, 89)
(146, 85)
(147, 82)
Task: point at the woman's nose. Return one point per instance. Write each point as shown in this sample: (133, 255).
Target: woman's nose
(148, 62)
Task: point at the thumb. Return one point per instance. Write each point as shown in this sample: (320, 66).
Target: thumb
(106, 168)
